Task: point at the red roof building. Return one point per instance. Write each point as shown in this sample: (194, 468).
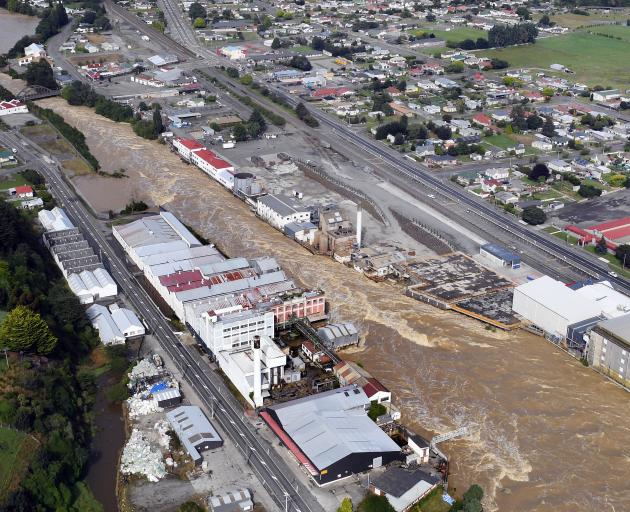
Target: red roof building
(482, 119)
(335, 92)
(615, 232)
(24, 191)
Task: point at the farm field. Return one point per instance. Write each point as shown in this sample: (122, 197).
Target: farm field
(595, 59)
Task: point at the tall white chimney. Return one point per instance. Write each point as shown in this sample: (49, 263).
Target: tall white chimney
(258, 401)
(359, 225)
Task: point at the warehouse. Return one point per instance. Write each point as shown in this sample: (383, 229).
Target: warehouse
(97, 284)
(500, 256)
(281, 210)
(609, 348)
(116, 324)
(331, 434)
(336, 336)
(54, 220)
(552, 306)
(194, 430)
(167, 397)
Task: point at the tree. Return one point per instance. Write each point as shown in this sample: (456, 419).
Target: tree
(548, 93)
(499, 64)
(318, 44)
(589, 191)
(539, 170)
(256, 124)
(239, 132)
(474, 492)
(300, 62)
(601, 247)
(534, 215)
(157, 121)
(196, 10)
(376, 410)
(548, 128)
(524, 13)
(199, 23)
(40, 73)
(534, 122)
(346, 505)
(622, 253)
(24, 329)
(545, 21)
(276, 43)
(430, 17)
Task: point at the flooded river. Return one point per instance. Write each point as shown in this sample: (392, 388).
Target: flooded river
(552, 435)
(13, 27)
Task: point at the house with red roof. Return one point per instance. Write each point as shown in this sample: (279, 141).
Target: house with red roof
(482, 120)
(14, 106)
(22, 191)
(332, 92)
(615, 233)
(376, 392)
(394, 92)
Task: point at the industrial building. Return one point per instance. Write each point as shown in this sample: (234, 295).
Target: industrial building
(115, 325)
(281, 210)
(254, 369)
(194, 430)
(331, 435)
(500, 256)
(226, 303)
(609, 348)
(336, 336)
(403, 487)
(76, 259)
(564, 313)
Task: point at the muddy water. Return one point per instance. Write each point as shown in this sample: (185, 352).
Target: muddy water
(13, 27)
(552, 434)
(106, 445)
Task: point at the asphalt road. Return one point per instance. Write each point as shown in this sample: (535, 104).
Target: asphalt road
(271, 470)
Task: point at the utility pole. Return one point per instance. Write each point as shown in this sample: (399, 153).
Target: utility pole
(7, 357)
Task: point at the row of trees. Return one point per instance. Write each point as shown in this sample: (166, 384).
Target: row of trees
(304, 115)
(18, 6)
(74, 136)
(504, 35)
(253, 128)
(52, 402)
(480, 43)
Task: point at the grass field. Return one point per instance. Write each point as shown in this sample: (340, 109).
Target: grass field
(500, 141)
(571, 20)
(14, 180)
(432, 502)
(596, 60)
(455, 34)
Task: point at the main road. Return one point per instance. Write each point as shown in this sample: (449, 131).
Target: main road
(272, 471)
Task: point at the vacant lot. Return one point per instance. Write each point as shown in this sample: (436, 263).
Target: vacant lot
(596, 60)
(455, 34)
(12, 180)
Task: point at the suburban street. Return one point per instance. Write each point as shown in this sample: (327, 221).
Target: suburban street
(272, 472)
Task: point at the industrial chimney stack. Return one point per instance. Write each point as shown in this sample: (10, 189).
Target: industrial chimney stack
(359, 225)
(258, 401)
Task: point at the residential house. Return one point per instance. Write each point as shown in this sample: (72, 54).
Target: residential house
(482, 120)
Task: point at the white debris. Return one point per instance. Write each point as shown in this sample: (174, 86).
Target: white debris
(138, 406)
(164, 439)
(144, 369)
(139, 459)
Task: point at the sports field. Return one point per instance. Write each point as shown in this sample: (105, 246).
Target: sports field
(595, 59)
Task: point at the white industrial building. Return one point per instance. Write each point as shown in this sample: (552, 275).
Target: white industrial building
(226, 303)
(54, 220)
(262, 358)
(609, 348)
(552, 306)
(93, 285)
(116, 324)
(281, 210)
(194, 430)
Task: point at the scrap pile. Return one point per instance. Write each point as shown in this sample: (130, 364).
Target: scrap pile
(138, 458)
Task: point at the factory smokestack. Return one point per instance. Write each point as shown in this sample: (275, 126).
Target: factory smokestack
(258, 401)
(359, 225)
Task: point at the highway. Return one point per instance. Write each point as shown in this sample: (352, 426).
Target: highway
(271, 470)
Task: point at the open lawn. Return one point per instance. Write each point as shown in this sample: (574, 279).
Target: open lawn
(433, 502)
(571, 20)
(455, 34)
(614, 263)
(595, 59)
(500, 141)
(13, 180)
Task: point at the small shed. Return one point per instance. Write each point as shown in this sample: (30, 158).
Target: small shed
(168, 397)
(194, 430)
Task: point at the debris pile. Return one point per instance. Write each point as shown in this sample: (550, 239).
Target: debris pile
(138, 406)
(138, 458)
(161, 428)
(144, 370)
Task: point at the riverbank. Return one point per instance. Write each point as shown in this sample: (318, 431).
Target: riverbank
(543, 416)
(13, 27)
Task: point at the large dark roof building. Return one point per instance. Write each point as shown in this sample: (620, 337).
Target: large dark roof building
(331, 434)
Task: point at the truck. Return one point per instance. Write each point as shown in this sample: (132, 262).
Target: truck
(229, 144)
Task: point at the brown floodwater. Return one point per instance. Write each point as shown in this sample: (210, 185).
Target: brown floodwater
(13, 27)
(552, 435)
